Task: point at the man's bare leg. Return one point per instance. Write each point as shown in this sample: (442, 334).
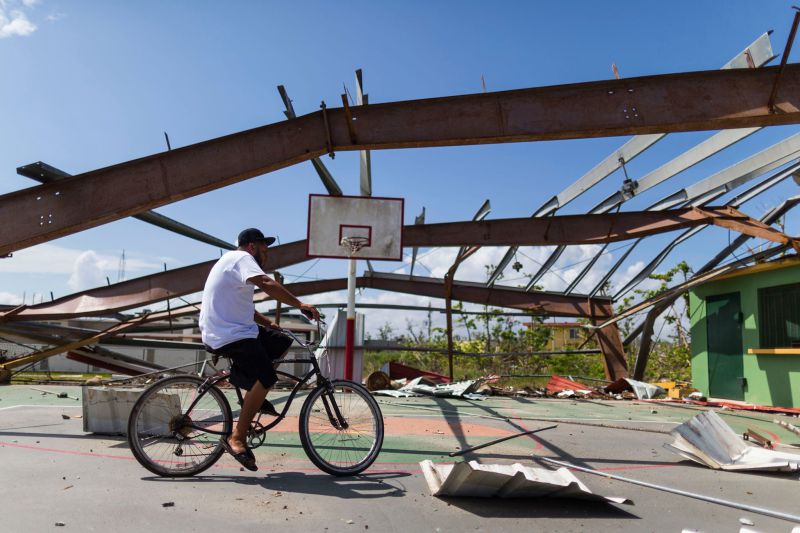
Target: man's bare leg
(252, 403)
(253, 399)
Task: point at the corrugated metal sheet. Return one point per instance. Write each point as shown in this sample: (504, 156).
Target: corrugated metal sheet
(708, 440)
(472, 479)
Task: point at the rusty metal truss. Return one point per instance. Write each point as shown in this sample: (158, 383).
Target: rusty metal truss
(739, 100)
(704, 100)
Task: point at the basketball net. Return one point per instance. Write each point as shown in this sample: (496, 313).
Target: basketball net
(353, 244)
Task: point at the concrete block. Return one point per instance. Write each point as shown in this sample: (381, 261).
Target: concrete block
(106, 410)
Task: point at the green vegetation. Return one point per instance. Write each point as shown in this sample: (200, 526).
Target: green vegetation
(494, 333)
(670, 357)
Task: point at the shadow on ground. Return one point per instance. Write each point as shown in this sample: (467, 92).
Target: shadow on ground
(539, 508)
(369, 486)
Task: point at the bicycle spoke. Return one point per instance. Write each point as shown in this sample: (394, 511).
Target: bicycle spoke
(170, 439)
(342, 450)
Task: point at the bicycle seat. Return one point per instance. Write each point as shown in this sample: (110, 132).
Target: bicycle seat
(214, 353)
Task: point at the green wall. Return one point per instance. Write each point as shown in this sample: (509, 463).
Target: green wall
(771, 379)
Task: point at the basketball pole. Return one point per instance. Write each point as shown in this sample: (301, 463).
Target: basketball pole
(350, 333)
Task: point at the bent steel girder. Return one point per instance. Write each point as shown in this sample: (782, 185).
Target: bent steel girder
(712, 187)
(580, 229)
(322, 171)
(691, 157)
(734, 203)
(675, 102)
(144, 290)
(677, 290)
(756, 55)
(719, 184)
(364, 157)
(44, 173)
(538, 303)
(419, 219)
(561, 229)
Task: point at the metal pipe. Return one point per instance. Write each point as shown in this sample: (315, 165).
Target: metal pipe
(703, 497)
(498, 441)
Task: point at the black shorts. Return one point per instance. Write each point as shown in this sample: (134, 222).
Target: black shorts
(252, 359)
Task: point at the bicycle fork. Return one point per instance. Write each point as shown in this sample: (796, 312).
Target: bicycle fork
(334, 414)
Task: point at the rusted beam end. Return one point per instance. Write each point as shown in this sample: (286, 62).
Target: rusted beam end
(5, 375)
(610, 342)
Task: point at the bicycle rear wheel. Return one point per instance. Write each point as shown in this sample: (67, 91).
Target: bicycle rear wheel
(169, 425)
(341, 451)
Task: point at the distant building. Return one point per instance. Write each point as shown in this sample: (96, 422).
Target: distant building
(746, 334)
(563, 335)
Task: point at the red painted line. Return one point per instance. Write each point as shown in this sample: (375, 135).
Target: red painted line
(65, 452)
(217, 465)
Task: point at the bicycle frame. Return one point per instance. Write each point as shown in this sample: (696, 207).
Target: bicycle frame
(334, 414)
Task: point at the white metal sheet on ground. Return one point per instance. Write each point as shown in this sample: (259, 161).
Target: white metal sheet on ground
(472, 479)
(708, 440)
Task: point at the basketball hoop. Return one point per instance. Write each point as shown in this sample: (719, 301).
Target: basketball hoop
(353, 244)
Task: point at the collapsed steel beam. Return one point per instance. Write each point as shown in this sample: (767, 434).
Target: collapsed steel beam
(756, 55)
(44, 173)
(666, 103)
(720, 183)
(537, 303)
(145, 290)
(322, 171)
(555, 230)
(583, 229)
(645, 272)
(645, 328)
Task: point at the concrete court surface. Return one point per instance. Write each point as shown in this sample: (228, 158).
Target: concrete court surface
(54, 472)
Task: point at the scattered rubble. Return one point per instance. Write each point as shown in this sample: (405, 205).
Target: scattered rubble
(472, 479)
(422, 386)
(641, 389)
(708, 440)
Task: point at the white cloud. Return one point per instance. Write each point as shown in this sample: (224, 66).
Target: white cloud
(88, 271)
(14, 22)
(53, 17)
(30, 3)
(53, 259)
(7, 298)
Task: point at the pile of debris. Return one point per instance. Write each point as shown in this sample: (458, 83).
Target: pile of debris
(473, 389)
(402, 381)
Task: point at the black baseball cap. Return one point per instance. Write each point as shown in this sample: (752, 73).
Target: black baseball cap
(251, 235)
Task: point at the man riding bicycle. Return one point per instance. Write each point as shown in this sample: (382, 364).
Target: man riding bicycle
(231, 326)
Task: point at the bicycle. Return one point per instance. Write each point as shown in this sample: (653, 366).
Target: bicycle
(176, 426)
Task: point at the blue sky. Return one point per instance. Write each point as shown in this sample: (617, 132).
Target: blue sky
(91, 84)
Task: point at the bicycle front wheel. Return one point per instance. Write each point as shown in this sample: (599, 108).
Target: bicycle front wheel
(175, 426)
(341, 449)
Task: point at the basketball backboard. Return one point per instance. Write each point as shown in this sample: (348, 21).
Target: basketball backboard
(334, 222)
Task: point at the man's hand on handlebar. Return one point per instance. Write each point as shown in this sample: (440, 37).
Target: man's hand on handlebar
(309, 311)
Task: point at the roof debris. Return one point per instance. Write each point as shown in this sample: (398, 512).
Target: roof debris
(708, 440)
(472, 479)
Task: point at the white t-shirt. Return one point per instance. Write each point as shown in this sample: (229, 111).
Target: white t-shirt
(226, 314)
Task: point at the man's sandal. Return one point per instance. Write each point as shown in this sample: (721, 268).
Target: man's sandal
(246, 458)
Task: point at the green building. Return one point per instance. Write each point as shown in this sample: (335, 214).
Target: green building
(746, 334)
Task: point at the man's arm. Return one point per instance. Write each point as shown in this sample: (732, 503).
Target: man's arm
(280, 293)
(264, 321)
